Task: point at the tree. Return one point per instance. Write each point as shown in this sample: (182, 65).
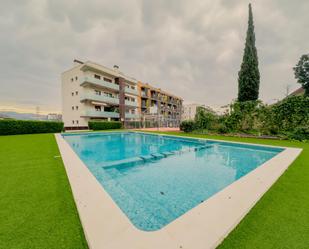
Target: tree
(301, 71)
(249, 75)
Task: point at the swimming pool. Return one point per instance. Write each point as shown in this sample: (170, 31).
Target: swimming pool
(155, 179)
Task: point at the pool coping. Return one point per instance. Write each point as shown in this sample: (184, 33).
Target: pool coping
(204, 226)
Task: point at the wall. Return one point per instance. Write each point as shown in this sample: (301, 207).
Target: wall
(69, 86)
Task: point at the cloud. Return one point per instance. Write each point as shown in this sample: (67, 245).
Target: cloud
(190, 48)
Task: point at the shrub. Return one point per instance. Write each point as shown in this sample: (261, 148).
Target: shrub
(187, 126)
(204, 118)
(300, 133)
(291, 113)
(243, 116)
(288, 118)
(222, 128)
(104, 125)
(13, 127)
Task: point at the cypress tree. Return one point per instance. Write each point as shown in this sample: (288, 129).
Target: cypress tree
(249, 75)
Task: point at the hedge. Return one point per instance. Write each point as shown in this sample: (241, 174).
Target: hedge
(104, 125)
(187, 125)
(13, 127)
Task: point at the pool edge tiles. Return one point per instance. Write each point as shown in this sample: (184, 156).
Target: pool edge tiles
(103, 221)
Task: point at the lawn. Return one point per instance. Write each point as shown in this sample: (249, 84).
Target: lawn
(281, 218)
(37, 209)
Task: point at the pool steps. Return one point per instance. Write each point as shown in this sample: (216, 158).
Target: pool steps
(158, 155)
(121, 162)
(146, 158)
(168, 153)
(153, 156)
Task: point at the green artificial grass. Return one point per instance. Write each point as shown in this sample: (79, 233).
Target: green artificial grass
(37, 209)
(280, 220)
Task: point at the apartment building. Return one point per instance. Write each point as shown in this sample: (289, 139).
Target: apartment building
(189, 111)
(93, 92)
(158, 105)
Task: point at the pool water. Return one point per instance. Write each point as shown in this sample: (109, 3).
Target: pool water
(155, 179)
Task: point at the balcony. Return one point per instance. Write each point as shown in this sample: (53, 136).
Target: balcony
(134, 116)
(99, 98)
(100, 114)
(154, 95)
(99, 83)
(131, 91)
(131, 103)
(144, 94)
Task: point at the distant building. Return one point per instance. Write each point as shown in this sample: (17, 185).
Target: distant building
(189, 111)
(54, 117)
(158, 105)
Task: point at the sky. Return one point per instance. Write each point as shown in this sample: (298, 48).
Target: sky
(192, 48)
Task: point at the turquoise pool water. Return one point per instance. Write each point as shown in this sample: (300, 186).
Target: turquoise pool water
(155, 179)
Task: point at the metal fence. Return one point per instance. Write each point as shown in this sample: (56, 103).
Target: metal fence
(153, 121)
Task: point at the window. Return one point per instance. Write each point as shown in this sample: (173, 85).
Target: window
(97, 76)
(107, 79)
(72, 121)
(76, 121)
(97, 92)
(76, 78)
(76, 93)
(72, 94)
(76, 107)
(97, 108)
(72, 79)
(73, 108)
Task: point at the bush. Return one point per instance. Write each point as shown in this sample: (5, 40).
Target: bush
(300, 133)
(204, 118)
(104, 125)
(187, 126)
(291, 113)
(222, 128)
(13, 127)
(288, 118)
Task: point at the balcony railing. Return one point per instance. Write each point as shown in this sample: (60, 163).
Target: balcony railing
(131, 115)
(100, 83)
(131, 91)
(154, 96)
(131, 103)
(100, 98)
(100, 114)
(144, 94)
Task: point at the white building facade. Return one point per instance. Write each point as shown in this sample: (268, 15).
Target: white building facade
(94, 92)
(189, 111)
